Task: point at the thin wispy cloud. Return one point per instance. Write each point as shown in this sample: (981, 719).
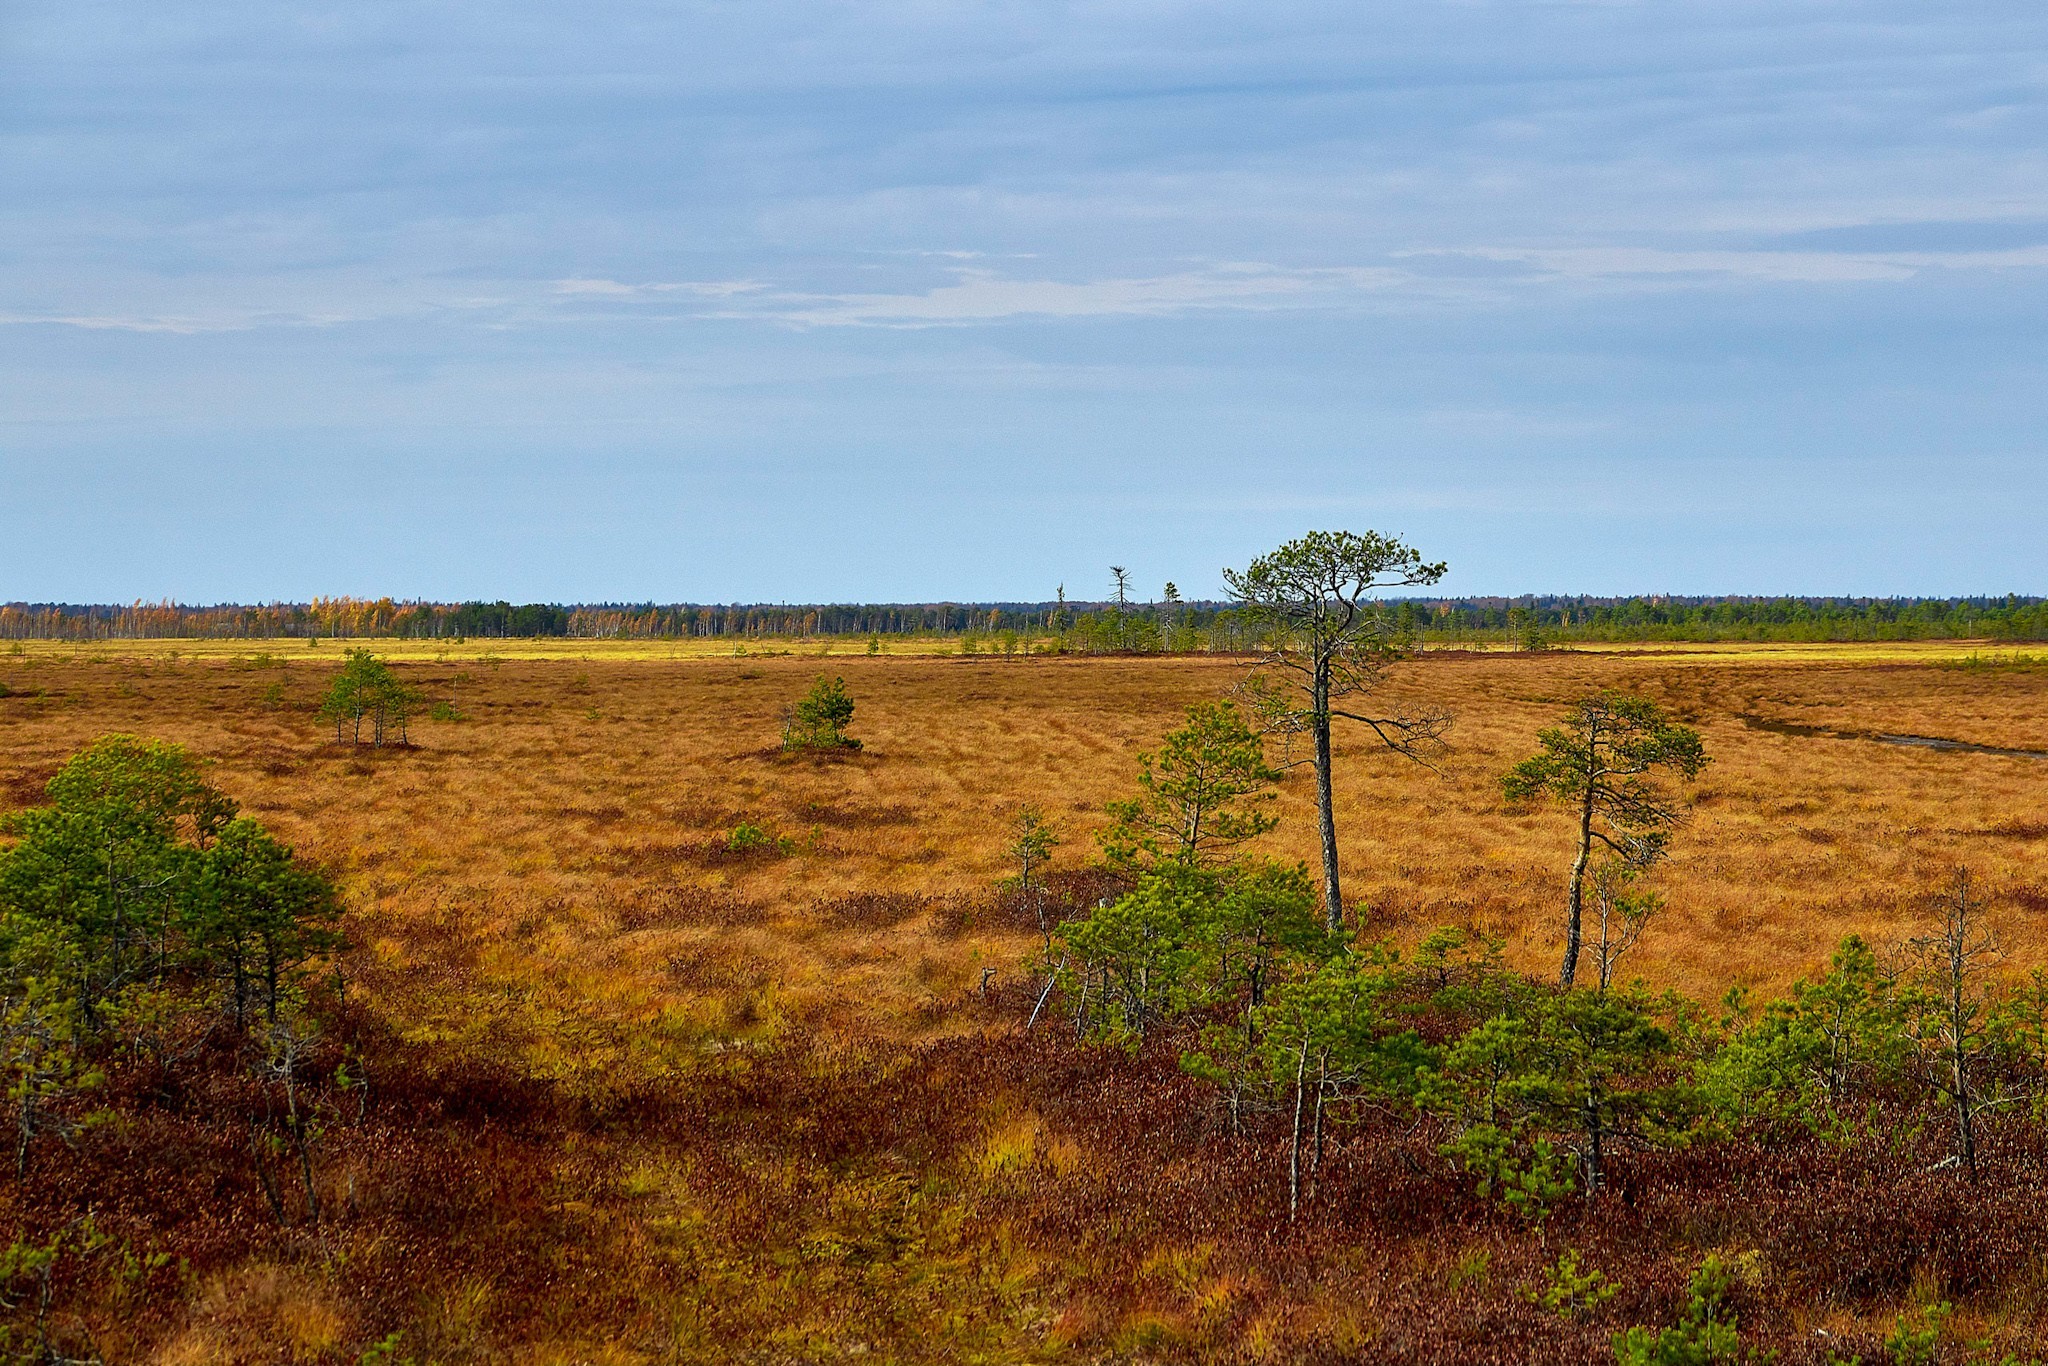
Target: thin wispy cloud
(972, 296)
(984, 296)
(213, 320)
(1788, 267)
(980, 296)
(614, 289)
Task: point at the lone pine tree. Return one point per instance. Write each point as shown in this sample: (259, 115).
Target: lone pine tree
(1599, 763)
(1325, 639)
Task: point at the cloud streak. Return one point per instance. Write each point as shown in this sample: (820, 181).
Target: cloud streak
(1649, 264)
(975, 296)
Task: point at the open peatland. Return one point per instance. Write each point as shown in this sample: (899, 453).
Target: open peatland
(597, 1080)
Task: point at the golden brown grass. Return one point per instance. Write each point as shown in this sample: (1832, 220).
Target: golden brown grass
(549, 875)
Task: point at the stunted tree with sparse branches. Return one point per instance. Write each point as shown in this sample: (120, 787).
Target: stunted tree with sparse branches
(1624, 914)
(1120, 598)
(1600, 763)
(1034, 840)
(1325, 639)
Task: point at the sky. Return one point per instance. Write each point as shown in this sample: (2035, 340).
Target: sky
(758, 300)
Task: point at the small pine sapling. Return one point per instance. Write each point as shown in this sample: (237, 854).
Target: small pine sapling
(820, 717)
(1599, 764)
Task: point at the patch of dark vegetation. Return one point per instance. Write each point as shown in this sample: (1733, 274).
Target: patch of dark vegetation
(855, 817)
(2032, 896)
(1392, 909)
(712, 969)
(1075, 891)
(26, 787)
(646, 858)
(876, 910)
(684, 904)
(809, 758)
(801, 758)
(701, 816)
(963, 913)
(2011, 830)
(747, 843)
(359, 759)
(1063, 896)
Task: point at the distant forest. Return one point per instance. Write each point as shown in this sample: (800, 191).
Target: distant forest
(1173, 625)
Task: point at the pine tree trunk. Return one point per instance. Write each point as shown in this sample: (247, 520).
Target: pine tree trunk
(1294, 1145)
(1959, 1076)
(1315, 1162)
(1326, 811)
(1575, 903)
(1595, 1154)
(1966, 1129)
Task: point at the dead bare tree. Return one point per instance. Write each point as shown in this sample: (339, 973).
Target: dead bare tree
(1120, 598)
(1624, 914)
(1951, 1025)
(287, 1047)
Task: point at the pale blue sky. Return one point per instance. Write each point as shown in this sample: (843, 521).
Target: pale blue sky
(826, 301)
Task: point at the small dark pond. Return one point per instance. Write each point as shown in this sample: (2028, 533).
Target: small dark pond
(1882, 738)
